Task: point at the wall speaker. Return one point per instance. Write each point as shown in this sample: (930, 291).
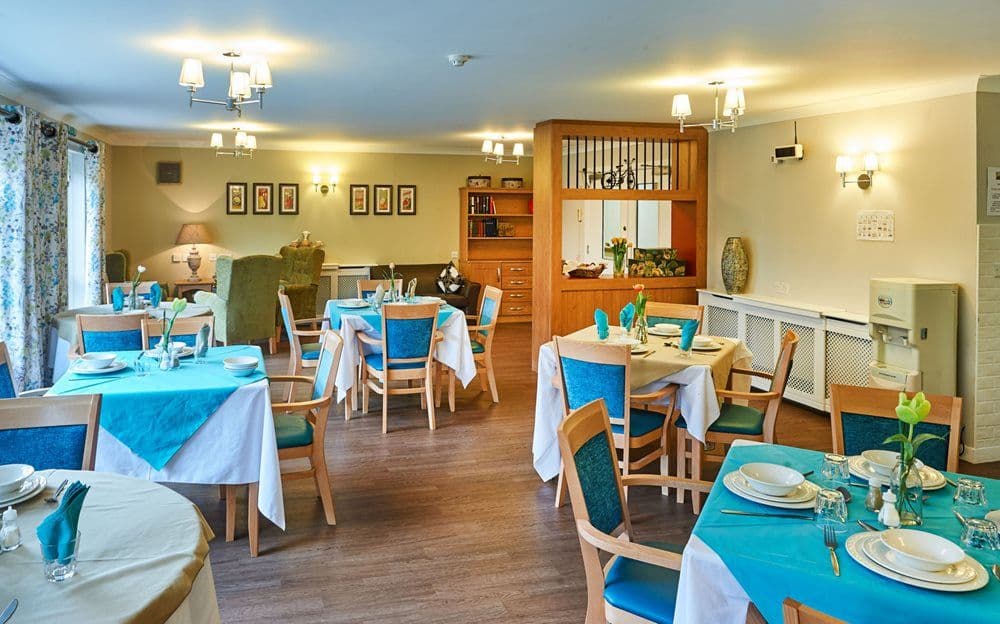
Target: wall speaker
(168, 173)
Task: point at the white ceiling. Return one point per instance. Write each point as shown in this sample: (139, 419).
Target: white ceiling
(373, 76)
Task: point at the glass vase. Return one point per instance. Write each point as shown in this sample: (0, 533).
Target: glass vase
(133, 303)
(909, 490)
(641, 329)
(619, 268)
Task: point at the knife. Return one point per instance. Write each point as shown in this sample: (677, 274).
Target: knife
(737, 512)
(9, 611)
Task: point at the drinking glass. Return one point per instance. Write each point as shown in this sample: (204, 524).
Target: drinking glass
(970, 498)
(59, 561)
(835, 469)
(831, 509)
(981, 533)
(141, 367)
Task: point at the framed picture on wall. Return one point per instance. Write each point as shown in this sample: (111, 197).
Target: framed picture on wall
(383, 199)
(236, 198)
(288, 199)
(406, 199)
(263, 200)
(359, 199)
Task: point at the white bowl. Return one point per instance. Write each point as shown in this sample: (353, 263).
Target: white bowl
(667, 326)
(241, 372)
(771, 479)
(702, 341)
(883, 461)
(994, 517)
(921, 550)
(240, 362)
(13, 475)
(97, 360)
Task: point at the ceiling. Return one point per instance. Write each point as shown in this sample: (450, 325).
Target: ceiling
(374, 76)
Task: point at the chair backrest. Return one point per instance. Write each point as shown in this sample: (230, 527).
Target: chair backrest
(7, 390)
(142, 291)
(676, 313)
(367, 286)
(249, 286)
(301, 265)
(779, 379)
(795, 612)
(288, 322)
(184, 330)
(116, 266)
(864, 417)
(408, 333)
(331, 345)
(489, 309)
(109, 332)
(51, 432)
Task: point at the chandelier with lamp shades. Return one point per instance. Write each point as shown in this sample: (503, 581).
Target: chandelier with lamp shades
(733, 107)
(245, 87)
(494, 151)
(243, 144)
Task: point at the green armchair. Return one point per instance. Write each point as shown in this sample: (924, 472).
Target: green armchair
(300, 271)
(243, 304)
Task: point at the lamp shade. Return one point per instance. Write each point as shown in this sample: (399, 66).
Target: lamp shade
(241, 139)
(191, 74)
(251, 143)
(260, 75)
(844, 164)
(216, 140)
(192, 234)
(239, 84)
(487, 147)
(498, 149)
(518, 150)
(735, 102)
(871, 161)
(681, 106)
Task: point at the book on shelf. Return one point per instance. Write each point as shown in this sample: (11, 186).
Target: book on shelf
(482, 204)
(483, 228)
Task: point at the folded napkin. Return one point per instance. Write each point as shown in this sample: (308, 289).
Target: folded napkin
(201, 341)
(626, 316)
(601, 320)
(379, 295)
(411, 288)
(688, 331)
(155, 294)
(118, 299)
(57, 532)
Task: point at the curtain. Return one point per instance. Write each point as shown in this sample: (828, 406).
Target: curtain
(33, 243)
(95, 166)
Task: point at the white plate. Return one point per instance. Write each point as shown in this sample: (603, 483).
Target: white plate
(994, 517)
(881, 554)
(352, 304)
(623, 340)
(854, 547)
(114, 368)
(29, 489)
(155, 353)
(639, 348)
(423, 299)
(803, 493)
(715, 346)
(859, 467)
(667, 333)
(730, 482)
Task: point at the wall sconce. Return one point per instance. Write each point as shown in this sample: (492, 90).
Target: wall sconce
(320, 186)
(845, 164)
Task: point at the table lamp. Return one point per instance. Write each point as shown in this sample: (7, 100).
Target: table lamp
(192, 234)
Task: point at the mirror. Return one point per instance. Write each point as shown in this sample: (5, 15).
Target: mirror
(589, 223)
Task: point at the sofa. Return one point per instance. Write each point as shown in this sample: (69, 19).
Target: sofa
(465, 299)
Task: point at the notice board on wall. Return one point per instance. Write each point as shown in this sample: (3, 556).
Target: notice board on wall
(876, 225)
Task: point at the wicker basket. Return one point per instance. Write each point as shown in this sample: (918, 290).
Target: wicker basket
(588, 271)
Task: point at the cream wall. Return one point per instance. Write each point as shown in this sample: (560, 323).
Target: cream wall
(144, 217)
(799, 224)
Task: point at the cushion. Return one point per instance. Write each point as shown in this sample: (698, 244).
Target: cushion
(375, 361)
(292, 430)
(310, 351)
(7, 382)
(478, 347)
(60, 447)
(643, 589)
(738, 419)
(641, 422)
(450, 280)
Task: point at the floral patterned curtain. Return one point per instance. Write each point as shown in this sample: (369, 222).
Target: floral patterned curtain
(32, 241)
(95, 166)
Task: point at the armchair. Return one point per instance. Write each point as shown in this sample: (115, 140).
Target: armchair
(245, 298)
(300, 273)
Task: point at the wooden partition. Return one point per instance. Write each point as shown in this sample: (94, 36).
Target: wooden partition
(679, 173)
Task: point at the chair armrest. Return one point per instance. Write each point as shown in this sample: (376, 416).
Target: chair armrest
(747, 396)
(471, 316)
(318, 319)
(665, 391)
(481, 327)
(752, 373)
(438, 336)
(301, 406)
(663, 480)
(307, 332)
(629, 550)
(291, 378)
(37, 392)
(365, 338)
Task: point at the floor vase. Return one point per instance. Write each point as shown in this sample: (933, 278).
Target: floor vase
(735, 265)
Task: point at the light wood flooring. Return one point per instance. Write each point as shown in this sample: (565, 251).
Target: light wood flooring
(445, 526)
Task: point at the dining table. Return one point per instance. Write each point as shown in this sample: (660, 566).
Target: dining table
(143, 557)
(697, 376)
(733, 560)
(197, 423)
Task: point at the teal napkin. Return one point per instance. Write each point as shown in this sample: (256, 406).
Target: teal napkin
(688, 330)
(626, 316)
(601, 320)
(57, 532)
(118, 299)
(155, 295)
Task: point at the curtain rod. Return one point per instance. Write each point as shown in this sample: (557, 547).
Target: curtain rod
(48, 130)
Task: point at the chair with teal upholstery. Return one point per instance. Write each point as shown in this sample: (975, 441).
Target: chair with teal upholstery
(244, 299)
(639, 583)
(107, 332)
(51, 432)
(864, 417)
(303, 354)
(403, 353)
(676, 313)
(300, 431)
(588, 371)
(184, 330)
(366, 287)
(7, 389)
(754, 421)
(481, 339)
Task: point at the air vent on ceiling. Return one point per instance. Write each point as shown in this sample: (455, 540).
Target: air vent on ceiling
(168, 173)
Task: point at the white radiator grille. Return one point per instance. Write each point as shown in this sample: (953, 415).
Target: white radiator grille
(760, 341)
(347, 280)
(721, 322)
(802, 377)
(847, 359)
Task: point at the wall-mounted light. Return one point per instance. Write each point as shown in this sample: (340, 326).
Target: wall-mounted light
(845, 165)
(324, 187)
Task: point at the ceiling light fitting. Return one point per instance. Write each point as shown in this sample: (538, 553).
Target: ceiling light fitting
(244, 144)
(845, 164)
(495, 152)
(459, 60)
(243, 85)
(733, 107)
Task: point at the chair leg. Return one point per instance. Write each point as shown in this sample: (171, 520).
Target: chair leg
(696, 453)
(349, 403)
(438, 372)
(451, 390)
(322, 479)
(222, 492)
(681, 460)
(665, 471)
(492, 380)
(365, 395)
(561, 488)
(272, 345)
(429, 392)
(253, 519)
(481, 371)
(424, 397)
(385, 406)
(230, 492)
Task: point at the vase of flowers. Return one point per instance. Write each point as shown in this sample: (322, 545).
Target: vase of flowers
(641, 325)
(905, 481)
(618, 246)
(133, 296)
(170, 358)
(392, 276)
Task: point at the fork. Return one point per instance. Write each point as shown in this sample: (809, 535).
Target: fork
(830, 539)
(55, 496)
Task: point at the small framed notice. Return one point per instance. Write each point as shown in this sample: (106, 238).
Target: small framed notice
(993, 191)
(876, 225)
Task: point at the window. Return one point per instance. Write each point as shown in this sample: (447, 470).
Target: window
(76, 243)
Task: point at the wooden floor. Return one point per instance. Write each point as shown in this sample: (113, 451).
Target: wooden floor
(445, 526)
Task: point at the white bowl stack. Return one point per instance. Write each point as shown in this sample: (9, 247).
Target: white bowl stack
(240, 366)
(12, 476)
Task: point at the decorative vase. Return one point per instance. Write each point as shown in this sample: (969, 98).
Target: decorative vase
(641, 329)
(619, 268)
(909, 490)
(735, 265)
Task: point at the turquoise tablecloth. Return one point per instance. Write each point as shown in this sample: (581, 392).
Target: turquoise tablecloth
(774, 559)
(373, 318)
(155, 415)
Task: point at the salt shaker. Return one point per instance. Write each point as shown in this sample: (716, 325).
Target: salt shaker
(10, 534)
(888, 515)
(873, 502)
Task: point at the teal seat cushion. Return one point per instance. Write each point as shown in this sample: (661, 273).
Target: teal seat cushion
(478, 347)
(643, 589)
(375, 361)
(641, 422)
(292, 430)
(738, 419)
(310, 351)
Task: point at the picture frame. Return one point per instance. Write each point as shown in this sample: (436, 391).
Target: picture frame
(406, 199)
(383, 199)
(236, 198)
(288, 199)
(263, 198)
(358, 200)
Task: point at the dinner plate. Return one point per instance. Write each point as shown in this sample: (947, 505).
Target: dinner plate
(155, 353)
(854, 546)
(423, 299)
(639, 348)
(715, 346)
(115, 366)
(668, 334)
(352, 304)
(730, 482)
(804, 492)
(623, 340)
(881, 554)
(859, 467)
(29, 489)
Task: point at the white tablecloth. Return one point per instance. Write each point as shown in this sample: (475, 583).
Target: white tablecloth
(696, 397)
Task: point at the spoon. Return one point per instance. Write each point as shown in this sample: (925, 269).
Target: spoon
(868, 527)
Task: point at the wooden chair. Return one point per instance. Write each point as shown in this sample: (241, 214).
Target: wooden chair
(303, 355)
(676, 313)
(481, 337)
(794, 612)
(51, 432)
(142, 291)
(7, 389)
(639, 582)
(864, 417)
(300, 431)
(738, 422)
(367, 286)
(409, 335)
(184, 330)
(588, 371)
(108, 332)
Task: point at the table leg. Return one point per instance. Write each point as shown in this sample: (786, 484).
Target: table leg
(230, 491)
(253, 518)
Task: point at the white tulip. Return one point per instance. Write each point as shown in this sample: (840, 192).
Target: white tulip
(141, 269)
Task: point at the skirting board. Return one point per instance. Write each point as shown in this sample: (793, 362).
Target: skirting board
(981, 455)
